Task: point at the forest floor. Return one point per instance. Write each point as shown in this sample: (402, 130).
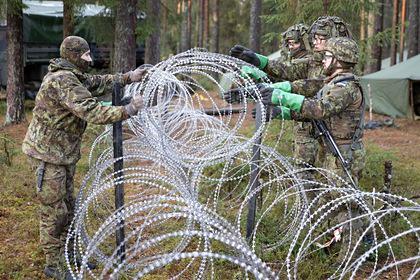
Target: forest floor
(20, 256)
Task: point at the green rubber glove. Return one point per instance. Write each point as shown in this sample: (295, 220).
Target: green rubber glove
(287, 99)
(284, 86)
(249, 56)
(263, 61)
(252, 72)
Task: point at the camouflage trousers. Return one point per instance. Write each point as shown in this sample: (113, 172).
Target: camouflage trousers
(305, 149)
(56, 208)
(350, 233)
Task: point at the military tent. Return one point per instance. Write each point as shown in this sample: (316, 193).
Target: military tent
(395, 91)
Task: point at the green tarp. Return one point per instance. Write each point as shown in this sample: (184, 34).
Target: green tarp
(43, 21)
(389, 89)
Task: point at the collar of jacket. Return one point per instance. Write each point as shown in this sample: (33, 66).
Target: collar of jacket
(340, 73)
(58, 64)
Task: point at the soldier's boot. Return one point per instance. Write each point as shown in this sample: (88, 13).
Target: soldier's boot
(72, 255)
(367, 243)
(55, 272)
(90, 265)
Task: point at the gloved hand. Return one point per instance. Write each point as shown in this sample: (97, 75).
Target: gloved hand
(249, 56)
(253, 73)
(284, 86)
(135, 105)
(274, 112)
(272, 96)
(137, 74)
(287, 99)
(233, 95)
(266, 93)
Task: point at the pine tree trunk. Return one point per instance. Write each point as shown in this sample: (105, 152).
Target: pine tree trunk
(215, 29)
(200, 21)
(68, 18)
(152, 55)
(125, 37)
(325, 4)
(189, 24)
(402, 30)
(413, 28)
(418, 22)
(386, 49)
(255, 25)
(376, 56)
(185, 32)
(362, 24)
(371, 21)
(206, 24)
(394, 33)
(15, 96)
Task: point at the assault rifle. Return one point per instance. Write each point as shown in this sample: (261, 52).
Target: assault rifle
(322, 130)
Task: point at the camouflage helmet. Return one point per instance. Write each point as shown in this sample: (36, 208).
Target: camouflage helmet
(72, 49)
(295, 32)
(298, 33)
(344, 49)
(329, 27)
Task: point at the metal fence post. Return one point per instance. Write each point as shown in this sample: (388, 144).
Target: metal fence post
(255, 170)
(118, 166)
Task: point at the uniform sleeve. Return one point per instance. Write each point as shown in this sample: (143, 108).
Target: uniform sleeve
(289, 71)
(77, 99)
(307, 87)
(332, 103)
(100, 85)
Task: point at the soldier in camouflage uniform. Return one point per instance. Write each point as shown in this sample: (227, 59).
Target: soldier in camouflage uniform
(308, 69)
(306, 74)
(65, 103)
(340, 104)
(295, 45)
(296, 40)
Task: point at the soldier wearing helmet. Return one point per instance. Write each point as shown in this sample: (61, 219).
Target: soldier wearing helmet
(309, 68)
(340, 102)
(65, 103)
(340, 105)
(295, 39)
(305, 76)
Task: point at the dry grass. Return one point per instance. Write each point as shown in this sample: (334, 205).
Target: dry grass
(20, 256)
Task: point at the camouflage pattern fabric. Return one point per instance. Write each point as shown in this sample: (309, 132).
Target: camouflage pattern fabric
(297, 33)
(345, 212)
(344, 49)
(64, 104)
(339, 106)
(72, 49)
(297, 71)
(63, 107)
(307, 76)
(56, 209)
(330, 26)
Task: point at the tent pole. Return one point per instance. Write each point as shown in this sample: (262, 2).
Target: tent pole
(413, 114)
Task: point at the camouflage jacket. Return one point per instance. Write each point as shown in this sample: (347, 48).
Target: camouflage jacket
(306, 73)
(339, 103)
(63, 106)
